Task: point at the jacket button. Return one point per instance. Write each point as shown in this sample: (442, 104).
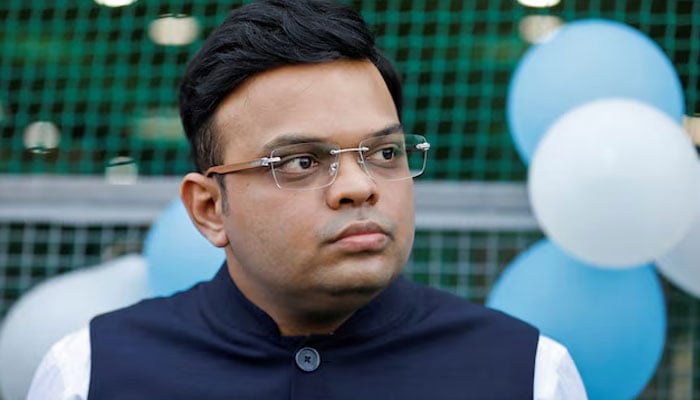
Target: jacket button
(307, 359)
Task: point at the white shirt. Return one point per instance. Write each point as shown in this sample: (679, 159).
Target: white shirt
(64, 373)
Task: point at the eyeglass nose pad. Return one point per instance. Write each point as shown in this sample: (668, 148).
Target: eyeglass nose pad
(333, 169)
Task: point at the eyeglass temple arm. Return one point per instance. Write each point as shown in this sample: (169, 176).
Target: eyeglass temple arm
(228, 168)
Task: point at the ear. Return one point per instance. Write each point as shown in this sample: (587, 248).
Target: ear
(202, 199)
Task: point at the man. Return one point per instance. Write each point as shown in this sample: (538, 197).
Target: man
(305, 179)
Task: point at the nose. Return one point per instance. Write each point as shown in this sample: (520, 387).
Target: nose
(352, 186)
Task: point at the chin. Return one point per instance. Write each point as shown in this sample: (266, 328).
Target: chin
(362, 283)
(361, 277)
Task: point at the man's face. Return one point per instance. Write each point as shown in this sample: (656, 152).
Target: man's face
(312, 251)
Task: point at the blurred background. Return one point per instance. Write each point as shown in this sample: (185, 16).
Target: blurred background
(91, 146)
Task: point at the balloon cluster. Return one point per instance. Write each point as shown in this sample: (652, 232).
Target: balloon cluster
(58, 306)
(614, 182)
(175, 257)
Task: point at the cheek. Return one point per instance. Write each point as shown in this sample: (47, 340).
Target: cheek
(402, 205)
(399, 205)
(408, 226)
(267, 228)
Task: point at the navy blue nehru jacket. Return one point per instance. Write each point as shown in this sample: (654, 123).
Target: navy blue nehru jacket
(210, 342)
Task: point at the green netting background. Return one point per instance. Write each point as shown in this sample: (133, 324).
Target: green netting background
(97, 75)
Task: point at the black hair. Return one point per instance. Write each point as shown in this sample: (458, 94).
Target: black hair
(258, 37)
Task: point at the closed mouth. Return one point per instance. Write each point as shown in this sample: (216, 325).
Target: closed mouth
(359, 228)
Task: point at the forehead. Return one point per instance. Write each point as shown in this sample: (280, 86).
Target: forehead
(339, 101)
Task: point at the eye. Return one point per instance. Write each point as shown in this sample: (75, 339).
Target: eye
(297, 164)
(388, 153)
(384, 154)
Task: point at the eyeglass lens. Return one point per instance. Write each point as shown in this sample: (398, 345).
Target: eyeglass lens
(314, 165)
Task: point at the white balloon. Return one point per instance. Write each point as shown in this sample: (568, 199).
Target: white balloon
(681, 265)
(60, 306)
(613, 183)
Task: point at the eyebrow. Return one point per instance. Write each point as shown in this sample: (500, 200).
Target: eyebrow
(296, 138)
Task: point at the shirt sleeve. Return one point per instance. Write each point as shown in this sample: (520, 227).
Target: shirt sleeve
(64, 372)
(556, 375)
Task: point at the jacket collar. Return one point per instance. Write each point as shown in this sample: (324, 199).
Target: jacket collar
(226, 305)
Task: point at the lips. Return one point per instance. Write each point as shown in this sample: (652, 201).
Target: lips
(359, 228)
(361, 236)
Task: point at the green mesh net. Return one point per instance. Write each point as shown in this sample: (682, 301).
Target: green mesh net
(105, 84)
(86, 89)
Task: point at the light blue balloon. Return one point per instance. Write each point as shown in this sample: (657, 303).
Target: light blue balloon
(584, 61)
(613, 321)
(178, 256)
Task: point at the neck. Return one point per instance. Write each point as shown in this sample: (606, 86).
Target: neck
(323, 317)
(310, 325)
(304, 315)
